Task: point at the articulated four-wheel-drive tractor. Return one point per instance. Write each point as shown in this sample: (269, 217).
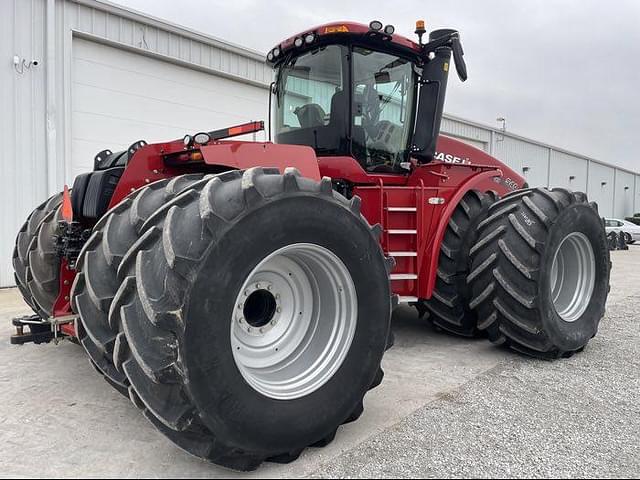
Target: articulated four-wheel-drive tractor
(240, 293)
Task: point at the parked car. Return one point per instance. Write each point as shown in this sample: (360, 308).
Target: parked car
(617, 225)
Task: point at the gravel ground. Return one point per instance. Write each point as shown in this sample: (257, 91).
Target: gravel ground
(578, 417)
(449, 407)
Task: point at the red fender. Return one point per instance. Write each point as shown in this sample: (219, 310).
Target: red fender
(483, 181)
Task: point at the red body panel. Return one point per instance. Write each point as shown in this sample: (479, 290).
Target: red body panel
(148, 164)
(443, 183)
(62, 306)
(243, 155)
(421, 201)
(63, 303)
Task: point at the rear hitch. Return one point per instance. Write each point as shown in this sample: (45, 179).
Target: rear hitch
(39, 330)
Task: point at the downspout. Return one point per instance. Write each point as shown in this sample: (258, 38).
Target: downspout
(53, 185)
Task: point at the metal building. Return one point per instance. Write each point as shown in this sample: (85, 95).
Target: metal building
(79, 76)
(615, 189)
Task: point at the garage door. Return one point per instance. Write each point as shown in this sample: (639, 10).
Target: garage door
(119, 97)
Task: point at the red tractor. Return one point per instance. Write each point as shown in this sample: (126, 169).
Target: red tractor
(240, 293)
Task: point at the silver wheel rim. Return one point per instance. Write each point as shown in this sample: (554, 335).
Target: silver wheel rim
(293, 321)
(573, 275)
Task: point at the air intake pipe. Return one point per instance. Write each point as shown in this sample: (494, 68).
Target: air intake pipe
(433, 86)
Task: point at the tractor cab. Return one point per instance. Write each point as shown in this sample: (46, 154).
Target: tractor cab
(346, 89)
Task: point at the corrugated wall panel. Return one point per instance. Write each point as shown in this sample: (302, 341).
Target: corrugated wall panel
(521, 155)
(601, 187)
(568, 171)
(624, 194)
(22, 121)
(137, 34)
(479, 137)
(636, 203)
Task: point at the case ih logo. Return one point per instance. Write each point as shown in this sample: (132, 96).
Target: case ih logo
(449, 158)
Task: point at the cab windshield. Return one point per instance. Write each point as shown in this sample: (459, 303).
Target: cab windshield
(369, 120)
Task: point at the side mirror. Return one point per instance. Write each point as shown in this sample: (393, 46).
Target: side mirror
(458, 58)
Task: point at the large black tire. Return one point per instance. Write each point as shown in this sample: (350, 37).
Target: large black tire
(178, 297)
(43, 272)
(24, 239)
(97, 279)
(513, 278)
(628, 238)
(448, 308)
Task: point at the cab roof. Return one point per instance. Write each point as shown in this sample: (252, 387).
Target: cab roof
(341, 31)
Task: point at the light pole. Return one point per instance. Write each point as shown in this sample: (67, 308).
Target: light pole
(503, 128)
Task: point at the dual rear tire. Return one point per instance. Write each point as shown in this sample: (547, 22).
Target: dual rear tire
(227, 343)
(35, 262)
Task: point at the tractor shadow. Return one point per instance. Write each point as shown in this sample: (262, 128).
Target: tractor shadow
(410, 330)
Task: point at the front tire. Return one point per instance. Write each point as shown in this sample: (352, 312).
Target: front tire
(448, 307)
(540, 276)
(196, 295)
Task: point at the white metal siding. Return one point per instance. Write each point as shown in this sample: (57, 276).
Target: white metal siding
(474, 143)
(636, 203)
(476, 136)
(22, 122)
(520, 155)
(601, 187)
(568, 171)
(119, 97)
(624, 194)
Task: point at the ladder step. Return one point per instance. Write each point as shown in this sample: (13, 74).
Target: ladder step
(403, 276)
(402, 232)
(403, 254)
(402, 209)
(407, 299)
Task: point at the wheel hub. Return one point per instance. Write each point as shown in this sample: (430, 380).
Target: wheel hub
(259, 309)
(293, 321)
(573, 275)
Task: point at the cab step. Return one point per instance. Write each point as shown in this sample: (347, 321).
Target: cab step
(403, 276)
